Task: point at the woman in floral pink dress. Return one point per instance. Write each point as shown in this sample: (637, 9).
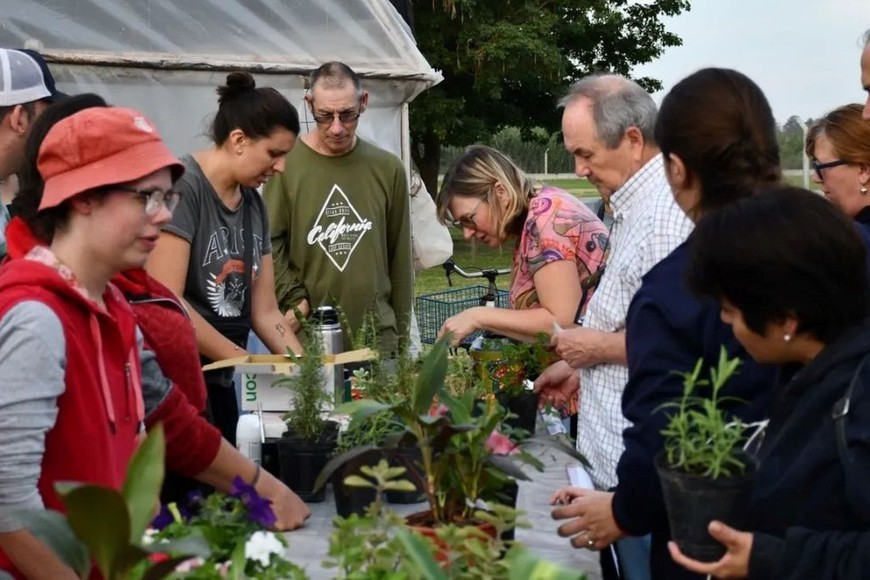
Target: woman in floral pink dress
(558, 243)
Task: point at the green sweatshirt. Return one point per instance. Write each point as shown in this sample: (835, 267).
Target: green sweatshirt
(341, 235)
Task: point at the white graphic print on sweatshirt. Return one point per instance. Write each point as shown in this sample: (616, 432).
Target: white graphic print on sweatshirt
(338, 229)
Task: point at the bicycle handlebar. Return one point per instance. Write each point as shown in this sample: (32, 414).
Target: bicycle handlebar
(489, 273)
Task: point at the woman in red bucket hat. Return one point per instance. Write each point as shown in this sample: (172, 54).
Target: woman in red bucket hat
(71, 406)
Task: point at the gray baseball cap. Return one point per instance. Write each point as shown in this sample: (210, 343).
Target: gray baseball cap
(21, 79)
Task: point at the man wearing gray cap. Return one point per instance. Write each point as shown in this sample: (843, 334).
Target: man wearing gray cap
(26, 89)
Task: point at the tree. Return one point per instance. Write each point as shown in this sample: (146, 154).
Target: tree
(507, 62)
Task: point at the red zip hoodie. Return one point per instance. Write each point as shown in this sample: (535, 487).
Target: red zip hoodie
(100, 414)
(191, 442)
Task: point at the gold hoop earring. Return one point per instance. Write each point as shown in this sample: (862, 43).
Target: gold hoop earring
(863, 190)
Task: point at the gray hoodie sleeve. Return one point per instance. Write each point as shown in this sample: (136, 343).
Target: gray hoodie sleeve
(155, 385)
(32, 367)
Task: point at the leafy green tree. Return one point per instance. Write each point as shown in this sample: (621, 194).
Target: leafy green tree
(507, 62)
(791, 143)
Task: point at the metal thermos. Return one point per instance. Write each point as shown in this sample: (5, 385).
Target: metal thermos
(325, 322)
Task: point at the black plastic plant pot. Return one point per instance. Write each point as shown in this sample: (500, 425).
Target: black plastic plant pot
(411, 459)
(269, 460)
(524, 406)
(351, 499)
(693, 501)
(302, 461)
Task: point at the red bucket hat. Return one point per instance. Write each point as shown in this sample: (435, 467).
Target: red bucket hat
(97, 147)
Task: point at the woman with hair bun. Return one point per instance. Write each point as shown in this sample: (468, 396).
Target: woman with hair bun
(216, 251)
(718, 137)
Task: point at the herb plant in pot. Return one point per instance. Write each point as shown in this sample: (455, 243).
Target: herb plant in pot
(704, 472)
(310, 439)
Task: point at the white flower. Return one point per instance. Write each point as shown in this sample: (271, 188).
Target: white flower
(261, 546)
(148, 536)
(189, 565)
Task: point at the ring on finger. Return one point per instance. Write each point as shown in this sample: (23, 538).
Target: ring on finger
(589, 541)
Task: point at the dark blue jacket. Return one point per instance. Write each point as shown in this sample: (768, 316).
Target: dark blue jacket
(810, 508)
(863, 221)
(668, 329)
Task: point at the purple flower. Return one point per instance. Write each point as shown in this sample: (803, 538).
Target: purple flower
(259, 509)
(163, 518)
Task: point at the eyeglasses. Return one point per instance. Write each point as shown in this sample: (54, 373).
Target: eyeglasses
(818, 167)
(154, 198)
(467, 221)
(344, 117)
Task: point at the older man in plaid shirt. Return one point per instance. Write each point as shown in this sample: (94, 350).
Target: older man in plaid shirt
(607, 126)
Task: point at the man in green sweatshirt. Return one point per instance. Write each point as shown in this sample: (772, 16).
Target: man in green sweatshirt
(339, 217)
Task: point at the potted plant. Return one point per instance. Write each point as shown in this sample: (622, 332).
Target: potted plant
(460, 460)
(509, 366)
(306, 446)
(704, 472)
(371, 432)
(379, 544)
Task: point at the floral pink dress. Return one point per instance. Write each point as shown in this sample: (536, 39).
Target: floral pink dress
(558, 227)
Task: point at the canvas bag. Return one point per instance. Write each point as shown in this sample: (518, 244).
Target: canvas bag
(431, 241)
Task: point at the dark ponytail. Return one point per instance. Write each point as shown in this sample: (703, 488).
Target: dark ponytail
(257, 112)
(719, 123)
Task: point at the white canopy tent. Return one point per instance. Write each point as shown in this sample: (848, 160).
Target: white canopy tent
(166, 57)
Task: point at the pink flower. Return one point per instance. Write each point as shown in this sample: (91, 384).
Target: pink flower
(440, 411)
(500, 444)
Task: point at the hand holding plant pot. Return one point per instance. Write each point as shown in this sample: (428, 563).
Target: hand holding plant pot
(704, 472)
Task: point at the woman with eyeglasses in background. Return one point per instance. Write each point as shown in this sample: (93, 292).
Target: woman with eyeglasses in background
(712, 161)
(216, 251)
(558, 243)
(839, 146)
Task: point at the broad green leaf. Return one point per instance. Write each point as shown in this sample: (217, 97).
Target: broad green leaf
(400, 485)
(99, 517)
(458, 412)
(419, 552)
(431, 377)
(357, 481)
(338, 461)
(141, 488)
(508, 466)
(52, 529)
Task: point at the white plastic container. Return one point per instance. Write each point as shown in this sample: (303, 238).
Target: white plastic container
(249, 437)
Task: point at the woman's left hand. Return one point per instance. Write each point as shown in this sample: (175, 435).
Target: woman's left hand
(461, 325)
(593, 526)
(735, 562)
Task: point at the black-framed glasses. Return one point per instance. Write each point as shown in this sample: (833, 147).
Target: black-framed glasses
(154, 198)
(467, 221)
(344, 117)
(818, 167)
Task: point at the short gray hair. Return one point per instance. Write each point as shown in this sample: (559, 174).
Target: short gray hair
(617, 104)
(866, 38)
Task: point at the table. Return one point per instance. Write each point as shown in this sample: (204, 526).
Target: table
(308, 546)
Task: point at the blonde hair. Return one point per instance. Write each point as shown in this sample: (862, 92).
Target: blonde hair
(848, 133)
(475, 175)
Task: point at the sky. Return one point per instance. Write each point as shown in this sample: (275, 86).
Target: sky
(804, 54)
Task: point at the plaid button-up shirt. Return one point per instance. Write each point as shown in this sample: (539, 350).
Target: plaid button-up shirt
(647, 226)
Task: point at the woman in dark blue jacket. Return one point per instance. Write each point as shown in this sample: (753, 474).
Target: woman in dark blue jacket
(790, 274)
